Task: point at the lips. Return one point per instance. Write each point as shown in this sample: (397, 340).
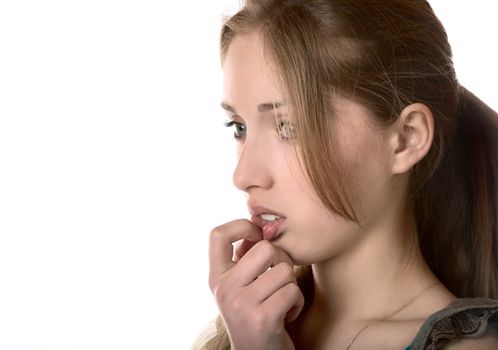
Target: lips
(258, 210)
(269, 227)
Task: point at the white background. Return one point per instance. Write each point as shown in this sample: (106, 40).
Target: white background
(115, 165)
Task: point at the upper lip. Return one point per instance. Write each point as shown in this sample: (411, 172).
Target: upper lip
(258, 210)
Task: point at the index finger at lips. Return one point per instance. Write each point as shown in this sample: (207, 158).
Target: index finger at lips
(221, 239)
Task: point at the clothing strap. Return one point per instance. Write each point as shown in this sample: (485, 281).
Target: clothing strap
(463, 318)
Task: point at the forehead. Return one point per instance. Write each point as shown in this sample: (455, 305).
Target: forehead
(247, 77)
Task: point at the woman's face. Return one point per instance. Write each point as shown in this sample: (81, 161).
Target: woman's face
(269, 173)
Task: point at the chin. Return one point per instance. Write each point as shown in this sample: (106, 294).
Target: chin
(298, 255)
(305, 250)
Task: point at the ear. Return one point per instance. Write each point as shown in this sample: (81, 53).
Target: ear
(412, 136)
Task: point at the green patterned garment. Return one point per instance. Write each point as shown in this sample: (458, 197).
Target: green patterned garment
(463, 318)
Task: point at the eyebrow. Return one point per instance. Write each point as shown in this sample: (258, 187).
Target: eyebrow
(262, 107)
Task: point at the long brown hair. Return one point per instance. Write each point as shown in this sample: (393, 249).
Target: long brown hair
(388, 54)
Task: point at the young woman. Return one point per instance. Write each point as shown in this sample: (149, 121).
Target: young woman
(371, 178)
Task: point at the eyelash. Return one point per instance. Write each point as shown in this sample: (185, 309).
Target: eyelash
(280, 128)
(231, 123)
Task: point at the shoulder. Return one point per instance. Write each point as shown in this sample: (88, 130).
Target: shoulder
(488, 341)
(470, 323)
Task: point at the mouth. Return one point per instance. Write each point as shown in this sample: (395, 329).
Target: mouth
(269, 223)
(270, 217)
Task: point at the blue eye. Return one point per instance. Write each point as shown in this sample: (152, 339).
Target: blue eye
(240, 129)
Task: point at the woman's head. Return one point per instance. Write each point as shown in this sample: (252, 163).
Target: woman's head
(345, 73)
(270, 172)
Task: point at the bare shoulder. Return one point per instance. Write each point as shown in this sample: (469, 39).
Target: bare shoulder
(400, 331)
(488, 341)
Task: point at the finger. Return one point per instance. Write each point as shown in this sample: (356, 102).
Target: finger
(287, 302)
(256, 261)
(294, 312)
(271, 281)
(241, 248)
(221, 239)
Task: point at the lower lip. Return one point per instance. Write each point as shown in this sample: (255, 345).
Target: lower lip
(271, 229)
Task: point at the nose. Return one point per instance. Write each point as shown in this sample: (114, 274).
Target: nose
(253, 168)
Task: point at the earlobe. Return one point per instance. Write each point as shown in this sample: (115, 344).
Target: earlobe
(413, 135)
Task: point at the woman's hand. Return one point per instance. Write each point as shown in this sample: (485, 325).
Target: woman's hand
(257, 292)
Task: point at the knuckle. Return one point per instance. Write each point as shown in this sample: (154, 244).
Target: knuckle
(265, 247)
(221, 294)
(287, 271)
(216, 233)
(293, 290)
(213, 282)
(238, 305)
(230, 300)
(261, 321)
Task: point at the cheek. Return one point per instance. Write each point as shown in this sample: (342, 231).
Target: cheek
(367, 181)
(315, 235)
(362, 153)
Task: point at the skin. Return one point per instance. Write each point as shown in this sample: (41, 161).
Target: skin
(361, 272)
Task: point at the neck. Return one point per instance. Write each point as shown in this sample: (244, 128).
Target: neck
(371, 280)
